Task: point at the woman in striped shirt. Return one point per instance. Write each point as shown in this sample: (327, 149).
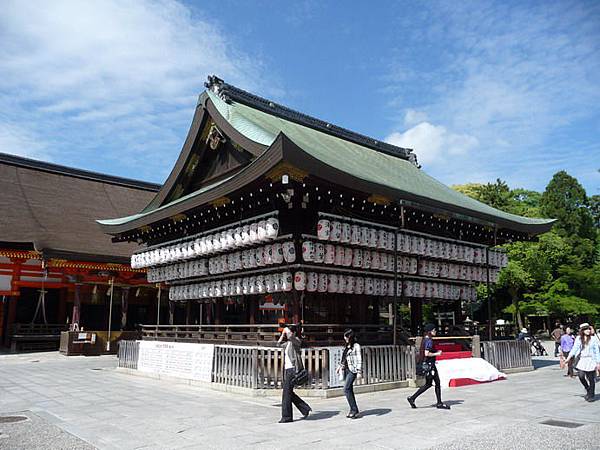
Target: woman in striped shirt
(351, 366)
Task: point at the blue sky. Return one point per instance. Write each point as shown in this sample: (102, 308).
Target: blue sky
(480, 90)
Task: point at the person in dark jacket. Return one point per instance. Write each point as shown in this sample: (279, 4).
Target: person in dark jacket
(292, 363)
(428, 353)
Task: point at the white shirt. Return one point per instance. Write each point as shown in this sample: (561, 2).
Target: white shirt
(287, 356)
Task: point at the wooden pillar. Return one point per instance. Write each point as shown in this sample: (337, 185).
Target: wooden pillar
(63, 295)
(416, 316)
(11, 316)
(76, 315)
(2, 316)
(376, 313)
(219, 312)
(171, 312)
(209, 314)
(124, 307)
(296, 307)
(188, 312)
(251, 309)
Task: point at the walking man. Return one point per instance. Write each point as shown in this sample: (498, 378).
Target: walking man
(556, 335)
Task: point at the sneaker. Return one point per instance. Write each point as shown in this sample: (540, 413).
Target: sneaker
(412, 402)
(285, 421)
(353, 416)
(442, 406)
(307, 412)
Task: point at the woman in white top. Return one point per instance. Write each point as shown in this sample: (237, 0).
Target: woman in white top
(588, 349)
(292, 364)
(351, 366)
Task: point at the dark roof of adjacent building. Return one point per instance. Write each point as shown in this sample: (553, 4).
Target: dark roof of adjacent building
(53, 208)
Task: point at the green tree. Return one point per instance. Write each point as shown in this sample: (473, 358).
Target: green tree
(565, 200)
(516, 280)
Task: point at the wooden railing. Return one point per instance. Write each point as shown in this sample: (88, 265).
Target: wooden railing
(507, 354)
(266, 335)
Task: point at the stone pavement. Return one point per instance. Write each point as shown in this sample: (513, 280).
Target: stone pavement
(79, 398)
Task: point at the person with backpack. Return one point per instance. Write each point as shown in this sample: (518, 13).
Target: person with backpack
(293, 373)
(351, 369)
(426, 366)
(588, 350)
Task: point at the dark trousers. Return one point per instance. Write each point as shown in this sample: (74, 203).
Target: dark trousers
(590, 383)
(349, 391)
(429, 379)
(569, 364)
(556, 348)
(289, 397)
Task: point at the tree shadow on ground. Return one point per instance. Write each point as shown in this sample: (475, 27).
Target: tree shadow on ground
(375, 412)
(322, 415)
(539, 363)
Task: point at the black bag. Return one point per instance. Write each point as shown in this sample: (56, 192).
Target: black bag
(300, 377)
(424, 367)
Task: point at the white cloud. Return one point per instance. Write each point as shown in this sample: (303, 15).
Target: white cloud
(515, 79)
(17, 141)
(433, 144)
(413, 117)
(83, 74)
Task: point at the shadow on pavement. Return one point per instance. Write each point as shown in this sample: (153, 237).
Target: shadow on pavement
(454, 402)
(375, 412)
(322, 415)
(539, 363)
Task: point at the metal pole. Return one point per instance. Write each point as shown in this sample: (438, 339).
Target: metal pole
(487, 288)
(395, 309)
(112, 288)
(158, 306)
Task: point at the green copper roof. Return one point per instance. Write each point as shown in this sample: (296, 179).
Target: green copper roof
(122, 220)
(356, 160)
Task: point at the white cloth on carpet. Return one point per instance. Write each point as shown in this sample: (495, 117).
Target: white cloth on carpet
(477, 369)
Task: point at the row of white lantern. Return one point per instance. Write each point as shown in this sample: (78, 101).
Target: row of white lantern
(429, 289)
(260, 284)
(498, 259)
(343, 232)
(267, 255)
(420, 245)
(455, 271)
(320, 282)
(241, 236)
(188, 269)
(339, 255)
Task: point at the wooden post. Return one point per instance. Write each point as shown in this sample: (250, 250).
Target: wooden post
(395, 302)
(476, 346)
(218, 312)
(171, 312)
(76, 314)
(124, 307)
(416, 315)
(11, 317)
(62, 305)
(489, 298)
(188, 312)
(112, 289)
(158, 305)
(251, 307)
